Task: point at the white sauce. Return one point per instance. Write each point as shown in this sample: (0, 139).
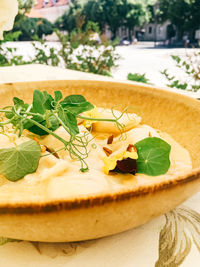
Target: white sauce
(61, 178)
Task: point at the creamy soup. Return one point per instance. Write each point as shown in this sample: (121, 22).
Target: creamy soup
(58, 176)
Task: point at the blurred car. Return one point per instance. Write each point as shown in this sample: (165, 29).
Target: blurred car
(125, 41)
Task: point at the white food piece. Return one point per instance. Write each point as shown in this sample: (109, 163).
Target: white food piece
(60, 178)
(128, 120)
(54, 144)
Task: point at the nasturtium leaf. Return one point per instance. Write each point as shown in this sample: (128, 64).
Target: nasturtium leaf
(153, 156)
(16, 162)
(58, 96)
(69, 120)
(76, 104)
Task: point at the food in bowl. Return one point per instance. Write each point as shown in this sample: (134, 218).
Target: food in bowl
(98, 204)
(66, 147)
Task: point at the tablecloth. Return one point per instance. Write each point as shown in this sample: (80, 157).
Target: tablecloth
(170, 240)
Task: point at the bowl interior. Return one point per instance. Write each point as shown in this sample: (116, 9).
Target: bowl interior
(170, 112)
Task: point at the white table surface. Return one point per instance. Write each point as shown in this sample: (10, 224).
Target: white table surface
(134, 248)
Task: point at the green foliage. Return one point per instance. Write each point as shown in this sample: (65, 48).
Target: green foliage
(28, 29)
(32, 28)
(76, 104)
(43, 116)
(46, 113)
(11, 36)
(153, 156)
(137, 77)
(80, 50)
(44, 27)
(68, 21)
(45, 55)
(114, 13)
(171, 32)
(190, 67)
(25, 28)
(84, 49)
(8, 56)
(20, 160)
(25, 6)
(184, 14)
(173, 82)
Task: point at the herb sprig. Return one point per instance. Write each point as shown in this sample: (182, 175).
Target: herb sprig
(46, 114)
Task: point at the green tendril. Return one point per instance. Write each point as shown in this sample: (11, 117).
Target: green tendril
(46, 114)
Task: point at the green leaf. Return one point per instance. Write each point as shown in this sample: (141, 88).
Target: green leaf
(52, 120)
(16, 162)
(153, 156)
(69, 120)
(137, 77)
(42, 101)
(38, 102)
(74, 99)
(78, 108)
(76, 104)
(54, 123)
(18, 102)
(58, 96)
(10, 115)
(48, 100)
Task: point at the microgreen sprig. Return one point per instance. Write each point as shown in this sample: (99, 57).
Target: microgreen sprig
(43, 117)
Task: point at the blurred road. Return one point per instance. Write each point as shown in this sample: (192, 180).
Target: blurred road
(144, 58)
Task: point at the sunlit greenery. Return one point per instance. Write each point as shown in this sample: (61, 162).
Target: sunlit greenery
(184, 14)
(111, 13)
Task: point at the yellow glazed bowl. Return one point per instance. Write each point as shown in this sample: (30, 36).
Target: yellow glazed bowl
(101, 215)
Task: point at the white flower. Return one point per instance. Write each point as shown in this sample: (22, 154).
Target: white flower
(8, 11)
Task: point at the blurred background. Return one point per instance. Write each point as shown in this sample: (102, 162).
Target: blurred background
(149, 41)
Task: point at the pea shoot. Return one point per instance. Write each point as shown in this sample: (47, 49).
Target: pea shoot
(46, 114)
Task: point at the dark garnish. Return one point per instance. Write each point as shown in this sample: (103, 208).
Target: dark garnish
(107, 151)
(127, 165)
(131, 148)
(110, 139)
(51, 151)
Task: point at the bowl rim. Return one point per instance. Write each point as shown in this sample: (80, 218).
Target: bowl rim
(88, 201)
(98, 200)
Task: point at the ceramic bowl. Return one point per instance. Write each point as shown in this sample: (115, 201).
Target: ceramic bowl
(106, 214)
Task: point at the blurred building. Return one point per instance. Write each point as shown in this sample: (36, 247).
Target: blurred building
(49, 9)
(52, 9)
(147, 32)
(153, 32)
